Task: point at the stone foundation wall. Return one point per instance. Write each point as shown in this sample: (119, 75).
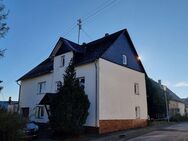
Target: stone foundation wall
(106, 126)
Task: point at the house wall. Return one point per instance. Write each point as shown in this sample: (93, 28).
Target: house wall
(59, 71)
(182, 108)
(176, 105)
(29, 96)
(117, 100)
(88, 71)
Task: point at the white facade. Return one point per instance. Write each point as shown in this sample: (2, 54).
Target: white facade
(110, 89)
(176, 107)
(29, 96)
(117, 99)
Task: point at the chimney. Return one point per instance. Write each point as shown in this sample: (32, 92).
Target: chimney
(9, 100)
(159, 81)
(106, 34)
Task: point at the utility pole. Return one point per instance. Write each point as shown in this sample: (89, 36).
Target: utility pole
(79, 28)
(166, 102)
(1, 86)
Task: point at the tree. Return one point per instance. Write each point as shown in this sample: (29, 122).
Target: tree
(3, 25)
(155, 99)
(69, 110)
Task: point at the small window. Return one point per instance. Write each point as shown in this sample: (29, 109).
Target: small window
(58, 85)
(137, 111)
(136, 88)
(62, 61)
(82, 82)
(39, 112)
(124, 59)
(41, 87)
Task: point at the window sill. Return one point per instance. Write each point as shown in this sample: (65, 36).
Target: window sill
(40, 93)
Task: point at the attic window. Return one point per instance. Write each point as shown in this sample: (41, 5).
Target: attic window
(124, 59)
(62, 61)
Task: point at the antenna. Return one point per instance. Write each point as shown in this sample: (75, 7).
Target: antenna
(79, 28)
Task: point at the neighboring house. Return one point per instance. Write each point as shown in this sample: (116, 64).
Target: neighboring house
(10, 106)
(185, 100)
(111, 73)
(176, 104)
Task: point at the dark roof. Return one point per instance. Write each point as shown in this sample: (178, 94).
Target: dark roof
(47, 99)
(185, 100)
(43, 68)
(95, 49)
(173, 96)
(83, 54)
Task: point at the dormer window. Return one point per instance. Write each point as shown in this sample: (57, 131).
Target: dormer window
(62, 61)
(124, 59)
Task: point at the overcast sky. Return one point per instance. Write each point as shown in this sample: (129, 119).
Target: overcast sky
(158, 28)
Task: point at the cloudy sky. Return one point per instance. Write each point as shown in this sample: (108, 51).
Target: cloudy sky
(158, 28)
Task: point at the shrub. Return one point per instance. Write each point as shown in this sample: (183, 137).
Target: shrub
(178, 118)
(10, 126)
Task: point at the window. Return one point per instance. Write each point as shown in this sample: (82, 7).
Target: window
(58, 85)
(124, 59)
(137, 111)
(39, 112)
(82, 82)
(41, 87)
(136, 88)
(62, 61)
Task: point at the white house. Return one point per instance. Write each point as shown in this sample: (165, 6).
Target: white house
(111, 73)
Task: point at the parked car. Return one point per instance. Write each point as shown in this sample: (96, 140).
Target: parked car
(31, 130)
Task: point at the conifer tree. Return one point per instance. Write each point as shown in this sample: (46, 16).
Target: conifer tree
(69, 110)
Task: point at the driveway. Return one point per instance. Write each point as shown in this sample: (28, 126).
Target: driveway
(177, 132)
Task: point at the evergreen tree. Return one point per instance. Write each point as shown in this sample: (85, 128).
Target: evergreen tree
(69, 110)
(155, 99)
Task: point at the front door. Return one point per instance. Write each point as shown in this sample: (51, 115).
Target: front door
(25, 112)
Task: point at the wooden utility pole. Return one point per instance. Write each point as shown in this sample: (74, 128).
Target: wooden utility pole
(79, 28)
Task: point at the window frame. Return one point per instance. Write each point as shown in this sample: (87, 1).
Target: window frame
(136, 89)
(82, 84)
(137, 112)
(62, 61)
(124, 59)
(39, 112)
(40, 89)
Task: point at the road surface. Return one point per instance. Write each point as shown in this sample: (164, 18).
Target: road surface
(178, 132)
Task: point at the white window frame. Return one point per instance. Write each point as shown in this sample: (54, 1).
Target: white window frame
(124, 57)
(42, 87)
(137, 112)
(82, 84)
(39, 112)
(136, 88)
(62, 61)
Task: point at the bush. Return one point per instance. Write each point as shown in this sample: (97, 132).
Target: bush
(10, 126)
(178, 118)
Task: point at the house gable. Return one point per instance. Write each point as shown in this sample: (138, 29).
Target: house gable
(123, 46)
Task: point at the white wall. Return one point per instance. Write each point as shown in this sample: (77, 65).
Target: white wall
(116, 92)
(182, 108)
(58, 70)
(29, 96)
(89, 72)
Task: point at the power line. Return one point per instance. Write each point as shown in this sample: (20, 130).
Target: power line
(89, 17)
(69, 30)
(89, 37)
(99, 11)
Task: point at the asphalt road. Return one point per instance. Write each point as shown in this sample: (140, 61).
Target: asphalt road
(178, 132)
